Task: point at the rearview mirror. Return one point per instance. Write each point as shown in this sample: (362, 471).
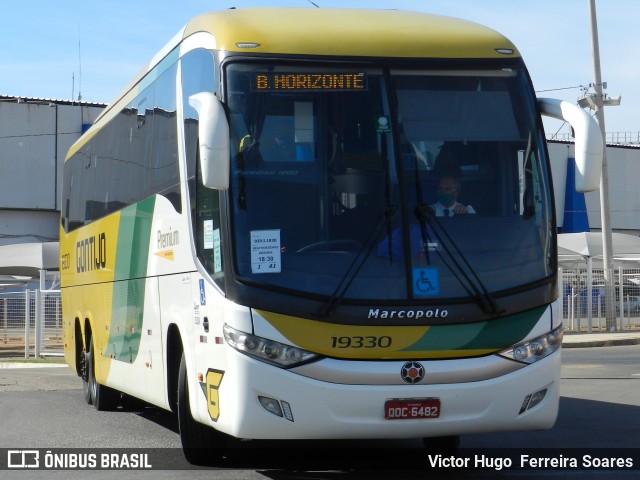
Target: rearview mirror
(589, 143)
(213, 140)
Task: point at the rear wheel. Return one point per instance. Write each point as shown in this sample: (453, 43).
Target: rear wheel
(85, 361)
(102, 397)
(202, 445)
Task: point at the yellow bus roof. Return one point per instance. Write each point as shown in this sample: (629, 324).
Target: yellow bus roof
(332, 32)
(350, 32)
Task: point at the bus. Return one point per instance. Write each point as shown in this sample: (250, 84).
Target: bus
(248, 237)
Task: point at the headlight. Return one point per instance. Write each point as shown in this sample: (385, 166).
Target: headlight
(269, 351)
(535, 349)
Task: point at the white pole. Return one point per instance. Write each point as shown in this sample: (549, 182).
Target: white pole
(607, 242)
(589, 294)
(27, 321)
(621, 296)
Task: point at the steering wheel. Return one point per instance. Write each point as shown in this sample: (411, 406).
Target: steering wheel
(347, 244)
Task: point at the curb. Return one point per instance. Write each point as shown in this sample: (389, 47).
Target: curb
(613, 342)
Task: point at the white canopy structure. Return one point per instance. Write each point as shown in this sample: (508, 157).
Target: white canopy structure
(23, 262)
(573, 246)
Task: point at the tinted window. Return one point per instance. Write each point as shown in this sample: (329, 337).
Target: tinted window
(132, 157)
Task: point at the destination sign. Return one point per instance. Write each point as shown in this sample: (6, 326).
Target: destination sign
(308, 82)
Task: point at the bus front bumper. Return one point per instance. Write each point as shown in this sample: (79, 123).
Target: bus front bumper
(315, 409)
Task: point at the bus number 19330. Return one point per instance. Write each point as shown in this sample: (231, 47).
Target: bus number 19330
(361, 342)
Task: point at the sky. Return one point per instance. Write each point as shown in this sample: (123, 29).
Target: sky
(60, 49)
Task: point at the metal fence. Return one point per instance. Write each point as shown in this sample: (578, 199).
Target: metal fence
(612, 138)
(31, 324)
(575, 295)
(31, 320)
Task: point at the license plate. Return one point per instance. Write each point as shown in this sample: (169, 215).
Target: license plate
(411, 408)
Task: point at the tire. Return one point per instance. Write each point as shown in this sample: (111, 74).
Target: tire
(202, 445)
(101, 397)
(85, 361)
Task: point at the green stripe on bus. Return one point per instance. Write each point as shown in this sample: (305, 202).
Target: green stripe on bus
(490, 335)
(133, 240)
(127, 311)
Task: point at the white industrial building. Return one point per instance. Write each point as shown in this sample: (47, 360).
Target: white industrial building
(35, 135)
(624, 195)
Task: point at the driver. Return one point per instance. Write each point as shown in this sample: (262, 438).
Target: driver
(448, 193)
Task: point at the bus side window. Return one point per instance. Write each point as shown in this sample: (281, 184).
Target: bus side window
(162, 170)
(199, 75)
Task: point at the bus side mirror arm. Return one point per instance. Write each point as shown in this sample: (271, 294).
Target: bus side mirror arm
(588, 141)
(213, 145)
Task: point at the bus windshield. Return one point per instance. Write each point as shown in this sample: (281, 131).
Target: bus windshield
(383, 184)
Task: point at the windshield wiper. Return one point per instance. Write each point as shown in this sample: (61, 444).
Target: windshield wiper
(329, 307)
(421, 211)
(474, 284)
(385, 219)
(251, 148)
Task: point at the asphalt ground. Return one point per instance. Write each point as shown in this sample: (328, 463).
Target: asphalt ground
(606, 339)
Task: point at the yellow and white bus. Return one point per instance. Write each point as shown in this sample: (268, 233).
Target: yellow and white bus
(249, 236)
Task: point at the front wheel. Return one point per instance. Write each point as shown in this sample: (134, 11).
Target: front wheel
(201, 444)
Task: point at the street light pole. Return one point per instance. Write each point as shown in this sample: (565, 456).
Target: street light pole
(607, 241)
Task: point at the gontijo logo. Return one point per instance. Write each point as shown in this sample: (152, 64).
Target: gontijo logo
(91, 253)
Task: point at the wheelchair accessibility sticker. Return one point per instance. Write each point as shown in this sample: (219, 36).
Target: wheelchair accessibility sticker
(426, 282)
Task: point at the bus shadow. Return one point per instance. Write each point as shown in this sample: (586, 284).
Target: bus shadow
(150, 412)
(582, 426)
(344, 459)
(583, 423)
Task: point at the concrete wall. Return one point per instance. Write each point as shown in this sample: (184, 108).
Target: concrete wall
(34, 138)
(624, 191)
(36, 134)
(624, 187)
